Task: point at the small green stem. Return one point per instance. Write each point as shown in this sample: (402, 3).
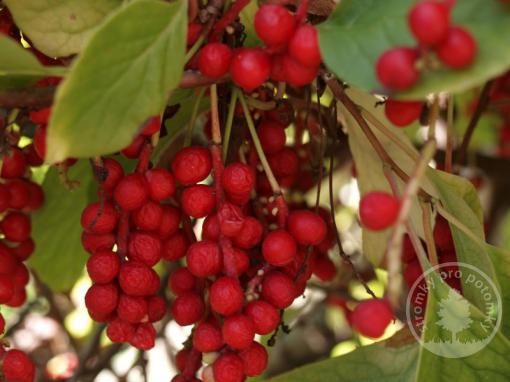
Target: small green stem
(258, 147)
(194, 48)
(228, 124)
(191, 123)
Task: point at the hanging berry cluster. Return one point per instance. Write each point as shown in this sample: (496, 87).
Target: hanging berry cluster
(429, 22)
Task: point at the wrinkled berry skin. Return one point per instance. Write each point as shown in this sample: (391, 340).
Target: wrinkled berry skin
(254, 359)
(198, 201)
(99, 218)
(204, 259)
(102, 298)
(161, 184)
(226, 296)
(228, 367)
(138, 279)
(238, 331)
(187, 308)
(207, 337)
(265, 316)
(103, 266)
(131, 192)
(192, 165)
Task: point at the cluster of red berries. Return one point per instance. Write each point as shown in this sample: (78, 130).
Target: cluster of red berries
(429, 21)
(132, 216)
(291, 54)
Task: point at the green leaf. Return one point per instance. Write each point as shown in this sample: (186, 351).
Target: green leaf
(247, 19)
(359, 31)
(59, 258)
(380, 362)
(124, 76)
(19, 67)
(59, 28)
(501, 260)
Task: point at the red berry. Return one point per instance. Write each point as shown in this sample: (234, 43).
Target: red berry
(211, 228)
(170, 221)
(204, 258)
(285, 162)
(120, 331)
(20, 277)
(250, 68)
(175, 246)
(188, 308)
(274, 24)
(182, 356)
(144, 247)
(16, 226)
(250, 234)
(254, 359)
(40, 134)
(198, 201)
(307, 227)
(298, 74)
(36, 196)
(238, 179)
(207, 337)
(4, 198)
(19, 194)
(228, 367)
(6, 289)
(31, 155)
(41, 116)
(18, 298)
(13, 164)
(113, 174)
(152, 126)
(132, 309)
(265, 316)
(135, 148)
(443, 235)
(304, 46)
(99, 218)
(429, 22)
(138, 279)
(192, 165)
(8, 260)
(131, 192)
(24, 249)
(371, 317)
(396, 68)
(181, 281)
(458, 50)
(148, 217)
(161, 184)
(144, 337)
(238, 331)
(408, 252)
(277, 71)
(214, 60)
(93, 243)
(378, 210)
(279, 248)
(103, 266)
(241, 261)
(226, 296)
(272, 136)
(324, 268)
(102, 298)
(156, 308)
(412, 272)
(278, 289)
(17, 366)
(402, 113)
(232, 219)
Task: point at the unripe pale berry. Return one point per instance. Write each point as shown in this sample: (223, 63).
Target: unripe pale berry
(207, 337)
(99, 218)
(228, 368)
(238, 331)
(204, 258)
(265, 316)
(254, 359)
(148, 217)
(102, 298)
(378, 210)
(132, 309)
(16, 226)
(272, 136)
(279, 248)
(103, 266)
(187, 308)
(304, 46)
(192, 165)
(214, 60)
(458, 50)
(226, 296)
(396, 68)
(161, 184)
(181, 281)
(250, 68)
(198, 201)
(250, 234)
(274, 24)
(429, 22)
(307, 227)
(278, 289)
(175, 246)
(372, 317)
(144, 247)
(402, 113)
(131, 192)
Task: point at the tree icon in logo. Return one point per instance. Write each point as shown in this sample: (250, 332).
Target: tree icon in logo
(454, 314)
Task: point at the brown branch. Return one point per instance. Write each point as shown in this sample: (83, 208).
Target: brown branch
(482, 105)
(35, 98)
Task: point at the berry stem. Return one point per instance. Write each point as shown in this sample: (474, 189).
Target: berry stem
(450, 135)
(227, 19)
(144, 159)
(302, 11)
(229, 123)
(191, 124)
(429, 237)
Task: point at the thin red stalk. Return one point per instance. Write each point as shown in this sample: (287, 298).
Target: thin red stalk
(227, 19)
(302, 11)
(144, 159)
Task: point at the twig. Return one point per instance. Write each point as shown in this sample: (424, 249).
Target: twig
(229, 123)
(191, 123)
(480, 107)
(433, 117)
(429, 236)
(448, 160)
